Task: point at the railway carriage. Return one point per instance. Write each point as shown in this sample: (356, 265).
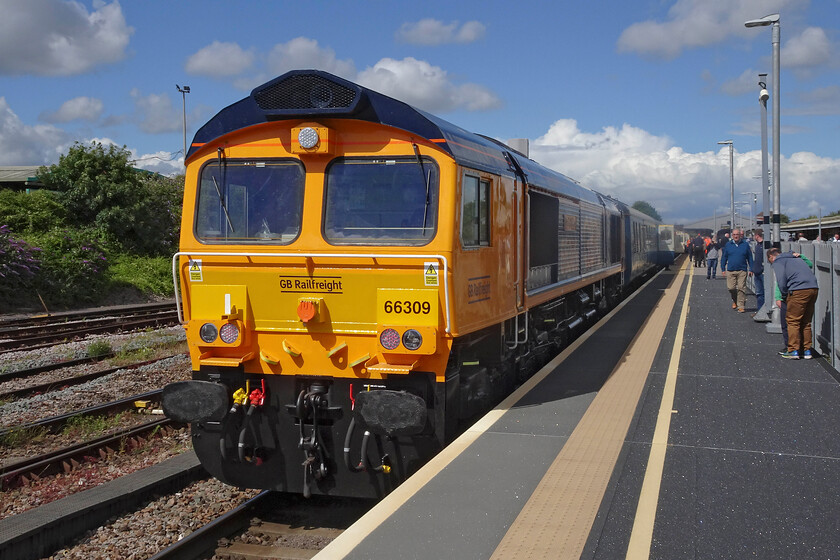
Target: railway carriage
(359, 278)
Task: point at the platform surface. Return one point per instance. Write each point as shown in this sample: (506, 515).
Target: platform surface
(671, 430)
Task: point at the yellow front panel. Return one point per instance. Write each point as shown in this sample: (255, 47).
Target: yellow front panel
(214, 301)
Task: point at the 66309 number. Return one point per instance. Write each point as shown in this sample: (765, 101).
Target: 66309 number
(408, 307)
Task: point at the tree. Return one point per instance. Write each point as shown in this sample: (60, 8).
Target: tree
(133, 209)
(647, 208)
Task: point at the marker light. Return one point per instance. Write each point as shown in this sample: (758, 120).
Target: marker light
(412, 339)
(308, 137)
(228, 333)
(389, 339)
(208, 333)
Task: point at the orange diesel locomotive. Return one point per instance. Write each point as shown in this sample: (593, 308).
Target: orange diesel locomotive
(359, 278)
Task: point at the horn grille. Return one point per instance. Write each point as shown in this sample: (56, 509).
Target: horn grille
(305, 92)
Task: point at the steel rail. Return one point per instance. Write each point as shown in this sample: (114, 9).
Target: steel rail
(205, 538)
(55, 461)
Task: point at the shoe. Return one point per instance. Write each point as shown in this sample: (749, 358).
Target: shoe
(734, 306)
(807, 355)
(792, 355)
(707, 278)
(740, 310)
(783, 351)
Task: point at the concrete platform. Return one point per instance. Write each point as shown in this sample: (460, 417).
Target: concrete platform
(672, 431)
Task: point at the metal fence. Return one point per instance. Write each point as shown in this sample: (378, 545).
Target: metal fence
(826, 324)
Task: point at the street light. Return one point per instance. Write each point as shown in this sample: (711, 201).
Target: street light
(773, 19)
(731, 187)
(752, 214)
(185, 90)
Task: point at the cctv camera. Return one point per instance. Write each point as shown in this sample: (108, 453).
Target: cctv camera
(764, 95)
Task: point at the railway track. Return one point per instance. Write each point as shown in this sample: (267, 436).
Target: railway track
(271, 525)
(68, 458)
(55, 423)
(65, 382)
(41, 332)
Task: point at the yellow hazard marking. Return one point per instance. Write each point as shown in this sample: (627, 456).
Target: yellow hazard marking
(430, 274)
(195, 271)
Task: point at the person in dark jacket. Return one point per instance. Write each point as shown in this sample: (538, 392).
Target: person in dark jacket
(758, 269)
(735, 265)
(699, 251)
(798, 286)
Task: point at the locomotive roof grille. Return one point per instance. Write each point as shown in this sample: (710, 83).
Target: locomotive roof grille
(303, 92)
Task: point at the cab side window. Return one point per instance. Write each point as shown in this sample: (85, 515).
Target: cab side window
(475, 212)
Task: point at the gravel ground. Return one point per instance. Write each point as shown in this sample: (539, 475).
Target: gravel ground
(14, 361)
(111, 387)
(162, 522)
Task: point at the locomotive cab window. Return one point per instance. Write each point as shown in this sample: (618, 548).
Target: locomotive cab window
(250, 202)
(475, 212)
(381, 201)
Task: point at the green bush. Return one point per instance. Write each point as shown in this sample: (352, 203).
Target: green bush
(135, 210)
(150, 275)
(37, 211)
(73, 266)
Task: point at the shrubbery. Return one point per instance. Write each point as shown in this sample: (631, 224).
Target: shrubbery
(18, 265)
(73, 266)
(99, 225)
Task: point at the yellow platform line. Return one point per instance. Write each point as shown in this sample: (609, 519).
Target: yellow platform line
(557, 519)
(641, 536)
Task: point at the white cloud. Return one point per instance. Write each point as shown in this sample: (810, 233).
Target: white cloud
(698, 23)
(28, 145)
(747, 82)
(306, 53)
(59, 37)
(428, 87)
(808, 49)
(155, 113)
(79, 108)
(632, 164)
(159, 162)
(434, 32)
(219, 60)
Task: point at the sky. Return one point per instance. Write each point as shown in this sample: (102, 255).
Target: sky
(628, 98)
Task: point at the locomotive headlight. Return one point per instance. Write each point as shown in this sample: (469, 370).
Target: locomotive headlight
(208, 333)
(228, 333)
(308, 137)
(412, 339)
(389, 339)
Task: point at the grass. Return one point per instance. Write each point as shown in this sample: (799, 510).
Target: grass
(149, 275)
(150, 352)
(99, 348)
(87, 426)
(19, 436)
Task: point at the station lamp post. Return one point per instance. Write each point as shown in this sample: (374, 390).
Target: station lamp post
(731, 187)
(773, 20)
(753, 213)
(184, 91)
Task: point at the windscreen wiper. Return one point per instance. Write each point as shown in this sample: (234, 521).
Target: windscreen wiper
(219, 191)
(427, 178)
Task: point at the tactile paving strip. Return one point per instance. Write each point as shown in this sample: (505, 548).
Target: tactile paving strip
(556, 521)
